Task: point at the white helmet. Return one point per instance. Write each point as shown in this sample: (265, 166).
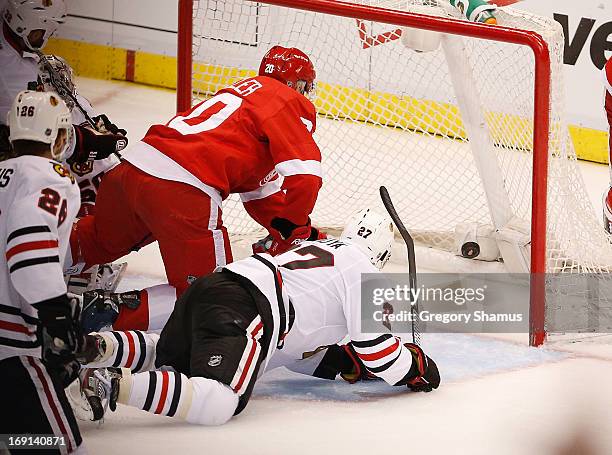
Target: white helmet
(24, 16)
(373, 233)
(38, 116)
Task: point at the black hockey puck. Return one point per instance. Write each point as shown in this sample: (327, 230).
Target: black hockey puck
(470, 250)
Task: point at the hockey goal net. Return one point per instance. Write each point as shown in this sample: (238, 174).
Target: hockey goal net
(469, 137)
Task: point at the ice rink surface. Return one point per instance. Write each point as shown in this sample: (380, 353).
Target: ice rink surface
(497, 396)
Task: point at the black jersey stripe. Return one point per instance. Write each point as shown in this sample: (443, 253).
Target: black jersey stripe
(284, 326)
(27, 230)
(151, 392)
(17, 312)
(371, 343)
(34, 261)
(25, 344)
(176, 396)
(67, 412)
(143, 351)
(119, 356)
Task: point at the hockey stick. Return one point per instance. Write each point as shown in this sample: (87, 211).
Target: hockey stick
(57, 82)
(412, 280)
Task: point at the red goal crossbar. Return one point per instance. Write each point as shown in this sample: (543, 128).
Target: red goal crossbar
(541, 127)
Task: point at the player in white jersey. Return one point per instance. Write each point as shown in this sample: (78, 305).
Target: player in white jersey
(56, 75)
(254, 315)
(39, 333)
(26, 28)
(27, 25)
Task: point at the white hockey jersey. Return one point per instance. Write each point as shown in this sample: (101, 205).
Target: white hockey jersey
(88, 174)
(20, 69)
(17, 71)
(322, 280)
(39, 200)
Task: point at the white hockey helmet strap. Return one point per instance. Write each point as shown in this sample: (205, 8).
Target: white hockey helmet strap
(373, 233)
(23, 16)
(38, 116)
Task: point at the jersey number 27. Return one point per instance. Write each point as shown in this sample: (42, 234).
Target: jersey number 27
(322, 258)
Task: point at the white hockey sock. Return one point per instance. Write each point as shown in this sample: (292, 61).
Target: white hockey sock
(131, 349)
(197, 400)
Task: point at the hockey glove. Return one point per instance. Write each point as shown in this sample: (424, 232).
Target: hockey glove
(339, 360)
(358, 371)
(263, 245)
(61, 336)
(104, 125)
(316, 234)
(423, 375)
(92, 145)
(286, 235)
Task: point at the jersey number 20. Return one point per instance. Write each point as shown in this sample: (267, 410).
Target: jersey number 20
(208, 115)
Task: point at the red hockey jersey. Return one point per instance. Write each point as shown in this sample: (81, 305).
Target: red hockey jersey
(243, 140)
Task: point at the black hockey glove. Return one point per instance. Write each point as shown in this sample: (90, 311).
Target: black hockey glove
(423, 375)
(92, 145)
(6, 150)
(265, 244)
(104, 125)
(61, 336)
(342, 360)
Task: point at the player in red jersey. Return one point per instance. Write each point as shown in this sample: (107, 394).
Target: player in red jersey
(607, 197)
(253, 138)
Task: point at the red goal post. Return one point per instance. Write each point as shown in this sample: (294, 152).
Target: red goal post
(542, 100)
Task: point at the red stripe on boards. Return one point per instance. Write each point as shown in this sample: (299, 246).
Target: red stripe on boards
(130, 65)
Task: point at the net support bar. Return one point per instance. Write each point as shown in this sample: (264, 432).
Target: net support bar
(184, 55)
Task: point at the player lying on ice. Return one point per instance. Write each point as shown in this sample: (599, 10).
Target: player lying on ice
(254, 315)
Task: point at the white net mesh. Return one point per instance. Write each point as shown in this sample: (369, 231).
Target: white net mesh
(389, 115)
